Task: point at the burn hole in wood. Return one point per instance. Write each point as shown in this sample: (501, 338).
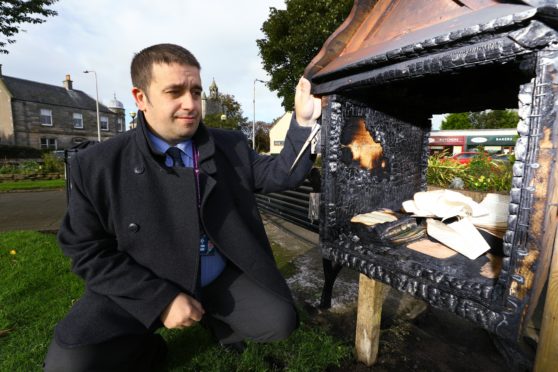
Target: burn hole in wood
(359, 147)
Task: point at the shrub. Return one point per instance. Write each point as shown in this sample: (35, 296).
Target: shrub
(29, 167)
(52, 164)
(19, 152)
(481, 174)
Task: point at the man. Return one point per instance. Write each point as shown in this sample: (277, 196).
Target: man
(162, 225)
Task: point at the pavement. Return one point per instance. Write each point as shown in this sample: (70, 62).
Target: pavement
(37, 210)
(414, 336)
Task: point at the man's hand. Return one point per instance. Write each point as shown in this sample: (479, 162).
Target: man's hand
(182, 312)
(307, 107)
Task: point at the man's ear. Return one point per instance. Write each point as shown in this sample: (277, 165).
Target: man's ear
(140, 97)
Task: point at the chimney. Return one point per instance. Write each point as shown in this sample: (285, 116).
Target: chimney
(68, 83)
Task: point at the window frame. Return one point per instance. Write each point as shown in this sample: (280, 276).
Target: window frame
(47, 145)
(42, 114)
(106, 119)
(74, 120)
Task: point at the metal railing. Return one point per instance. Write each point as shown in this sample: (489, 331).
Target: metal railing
(290, 205)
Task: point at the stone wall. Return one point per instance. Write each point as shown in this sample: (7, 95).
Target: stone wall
(30, 177)
(29, 131)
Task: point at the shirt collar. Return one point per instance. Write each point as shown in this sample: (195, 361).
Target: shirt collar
(162, 146)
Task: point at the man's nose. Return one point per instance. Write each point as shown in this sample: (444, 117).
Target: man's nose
(187, 101)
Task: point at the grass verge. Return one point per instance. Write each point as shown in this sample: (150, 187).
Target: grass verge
(38, 289)
(32, 185)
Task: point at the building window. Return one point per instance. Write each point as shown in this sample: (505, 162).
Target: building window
(46, 117)
(77, 119)
(104, 123)
(48, 143)
(120, 126)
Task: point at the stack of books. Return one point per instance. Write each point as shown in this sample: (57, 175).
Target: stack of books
(386, 226)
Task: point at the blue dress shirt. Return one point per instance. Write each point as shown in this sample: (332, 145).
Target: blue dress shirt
(211, 266)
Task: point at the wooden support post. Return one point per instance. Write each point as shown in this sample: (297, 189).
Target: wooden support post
(547, 350)
(369, 314)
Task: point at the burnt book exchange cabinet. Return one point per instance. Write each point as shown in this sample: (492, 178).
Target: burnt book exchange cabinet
(382, 75)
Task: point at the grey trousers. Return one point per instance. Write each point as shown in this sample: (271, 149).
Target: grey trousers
(236, 309)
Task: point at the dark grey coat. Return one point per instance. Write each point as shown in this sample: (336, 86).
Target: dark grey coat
(132, 227)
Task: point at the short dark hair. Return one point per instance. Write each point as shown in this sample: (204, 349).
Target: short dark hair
(142, 63)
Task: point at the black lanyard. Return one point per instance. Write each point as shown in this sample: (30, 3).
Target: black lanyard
(195, 157)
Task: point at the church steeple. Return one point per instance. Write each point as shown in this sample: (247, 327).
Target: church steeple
(213, 90)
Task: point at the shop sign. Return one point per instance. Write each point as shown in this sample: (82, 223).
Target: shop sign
(506, 140)
(446, 140)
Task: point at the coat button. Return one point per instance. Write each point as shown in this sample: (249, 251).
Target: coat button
(133, 227)
(139, 169)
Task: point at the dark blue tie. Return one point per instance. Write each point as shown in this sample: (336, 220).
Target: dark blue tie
(176, 154)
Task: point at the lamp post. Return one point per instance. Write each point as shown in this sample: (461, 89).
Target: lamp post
(97, 104)
(133, 115)
(254, 121)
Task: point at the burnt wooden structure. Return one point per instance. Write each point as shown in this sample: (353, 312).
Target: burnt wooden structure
(382, 75)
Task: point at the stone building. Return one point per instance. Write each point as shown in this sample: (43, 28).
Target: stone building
(212, 104)
(45, 116)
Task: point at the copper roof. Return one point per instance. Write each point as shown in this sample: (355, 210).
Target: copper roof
(377, 31)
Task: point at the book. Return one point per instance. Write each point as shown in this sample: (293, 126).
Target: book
(386, 226)
(461, 236)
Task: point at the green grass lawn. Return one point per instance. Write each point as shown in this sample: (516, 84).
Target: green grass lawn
(38, 289)
(32, 185)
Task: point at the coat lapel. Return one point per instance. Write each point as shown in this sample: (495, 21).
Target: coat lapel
(206, 147)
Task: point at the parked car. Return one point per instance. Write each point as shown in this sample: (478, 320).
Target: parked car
(503, 158)
(466, 157)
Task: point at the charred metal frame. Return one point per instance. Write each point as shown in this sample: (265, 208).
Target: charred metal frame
(507, 62)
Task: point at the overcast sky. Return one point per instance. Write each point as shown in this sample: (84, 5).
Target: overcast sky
(103, 35)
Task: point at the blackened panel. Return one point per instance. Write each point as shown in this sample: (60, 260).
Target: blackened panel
(380, 160)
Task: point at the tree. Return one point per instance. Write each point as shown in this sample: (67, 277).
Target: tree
(293, 37)
(489, 119)
(493, 119)
(262, 136)
(457, 121)
(15, 12)
(233, 113)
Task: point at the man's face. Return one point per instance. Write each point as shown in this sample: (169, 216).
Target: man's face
(172, 103)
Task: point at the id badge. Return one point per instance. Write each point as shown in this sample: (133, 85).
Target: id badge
(206, 246)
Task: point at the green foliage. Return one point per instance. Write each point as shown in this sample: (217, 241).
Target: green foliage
(15, 12)
(442, 171)
(37, 290)
(489, 119)
(457, 121)
(29, 167)
(233, 112)
(52, 164)
(33, 185)
(307, 349)
(481, 174)
(262, 137)
(494, 119)
(19, 152)
(8, 168)
(293, 37)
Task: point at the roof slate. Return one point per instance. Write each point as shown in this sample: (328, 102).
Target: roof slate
(26, 90)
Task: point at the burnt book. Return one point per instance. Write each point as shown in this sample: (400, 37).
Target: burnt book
(387, 226)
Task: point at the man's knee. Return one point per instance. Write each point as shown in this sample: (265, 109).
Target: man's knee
(59, 359)
(279, 326)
